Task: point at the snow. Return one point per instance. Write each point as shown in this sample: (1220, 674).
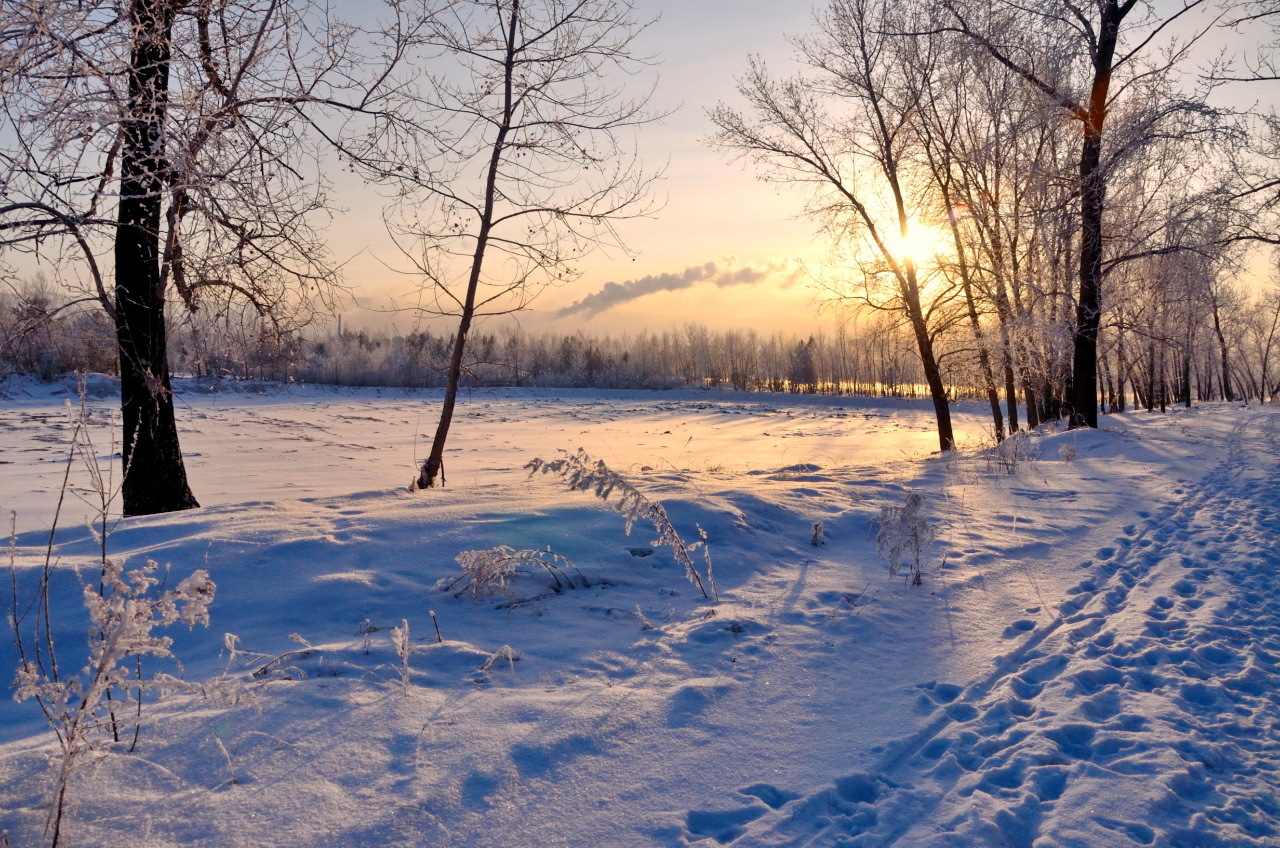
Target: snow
(1092, 659)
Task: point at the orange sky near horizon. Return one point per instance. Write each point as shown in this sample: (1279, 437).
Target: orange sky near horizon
(715, 210)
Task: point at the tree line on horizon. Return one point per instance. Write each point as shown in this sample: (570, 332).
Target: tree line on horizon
(871, 355)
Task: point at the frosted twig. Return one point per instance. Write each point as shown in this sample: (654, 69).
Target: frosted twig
(486, 572)
(404, 648)
(583, 473)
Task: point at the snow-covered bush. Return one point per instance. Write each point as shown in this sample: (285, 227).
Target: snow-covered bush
(486, 573)
(903, 535)
(1067, 453)
(1012, 452)
(583, 473)
(123, 613)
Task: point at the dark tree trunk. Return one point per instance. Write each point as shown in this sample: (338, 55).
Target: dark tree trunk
(975, 323)
(155, 479)
(1227, 393)
(1032, 404)
(1051, 402)
(1186, 380)
(1082, 398)
(1151, 375)
(1108, 386)
(1163, 386)
(924, 343)
(1011, 395)
(1122, 370)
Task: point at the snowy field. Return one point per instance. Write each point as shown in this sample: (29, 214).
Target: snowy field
(1093, 658)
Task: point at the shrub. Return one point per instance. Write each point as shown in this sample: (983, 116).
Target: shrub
(123, 615)
(1012, 452)
(903, 535)
(486, 572)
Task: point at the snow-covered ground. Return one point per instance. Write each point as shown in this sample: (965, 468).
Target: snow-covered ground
(1093, 658)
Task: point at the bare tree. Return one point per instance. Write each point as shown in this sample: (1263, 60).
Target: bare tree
(530, 173)
(829, 132)
(173, 131)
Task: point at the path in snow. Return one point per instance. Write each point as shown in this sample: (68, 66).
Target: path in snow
(1154, 690)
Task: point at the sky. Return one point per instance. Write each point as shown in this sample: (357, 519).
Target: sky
(715, 213)
(724, 249)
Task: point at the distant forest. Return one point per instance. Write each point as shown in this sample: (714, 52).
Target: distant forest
(1183, 361)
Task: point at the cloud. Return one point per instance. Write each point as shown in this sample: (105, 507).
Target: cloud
(612, 294)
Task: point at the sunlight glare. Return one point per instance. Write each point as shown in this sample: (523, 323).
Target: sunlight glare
(923, 243)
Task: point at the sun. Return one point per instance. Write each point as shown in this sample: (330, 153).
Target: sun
(922, 244)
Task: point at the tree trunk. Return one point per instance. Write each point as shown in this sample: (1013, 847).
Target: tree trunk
(1151, 374)
(1082, 400)
(1032, 403)
(1164, 383)
(155, 479)
(1108, 386)
(1122, 370)
(1227, 393)
(1186, 379)
(1010, 391)
(975, 323)
(433, 468)
(932, 374)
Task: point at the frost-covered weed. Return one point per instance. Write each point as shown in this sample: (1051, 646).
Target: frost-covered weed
(124, 609)
(903, 535)
(1012, 452)
(267, 667)
(123, 614)
(486, 572)
(583, 473)
(645, 624)
(1067, 453)
(506, 652)
(404, 649)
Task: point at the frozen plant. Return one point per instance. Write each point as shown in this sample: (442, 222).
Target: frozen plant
(816, 541)
(645, 624)
(273, 667)
(903, 535)
(1067, 453)
(486, 572)
(123, 614)
(367, 628)
(506, 652)
(404, 648)
(1012, 452)
(583, 473)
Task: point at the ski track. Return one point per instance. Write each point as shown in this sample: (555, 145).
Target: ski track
(1156, 687)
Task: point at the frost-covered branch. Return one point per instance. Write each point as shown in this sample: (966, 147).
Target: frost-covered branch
(583, 473)
(486, 572)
